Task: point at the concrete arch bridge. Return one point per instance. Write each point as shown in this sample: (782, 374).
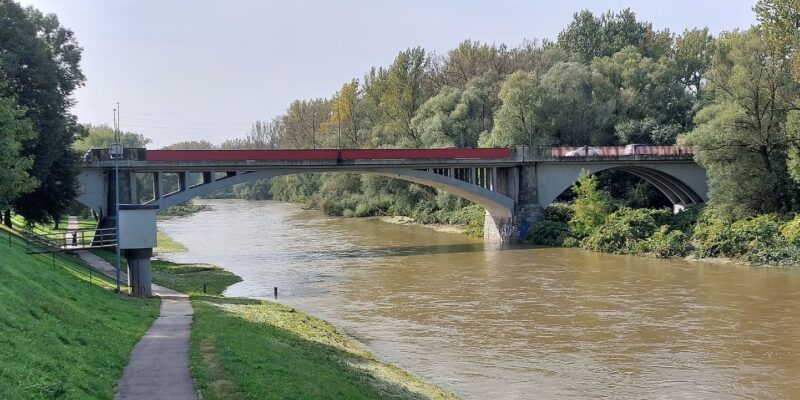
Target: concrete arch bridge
(514, 185)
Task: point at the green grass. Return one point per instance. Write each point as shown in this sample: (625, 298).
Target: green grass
(167, 245)
(190, 278)
(250, 349)
(62, 336)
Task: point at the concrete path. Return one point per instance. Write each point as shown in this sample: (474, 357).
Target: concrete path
(159, 363)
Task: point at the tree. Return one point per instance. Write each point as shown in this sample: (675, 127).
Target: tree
(301, 123)
(690, 59)
(14, 177)
(628, 86)
(344, 119)
(263, 135)
(572, 115)
(403, 94)
(102, 136)
(741, 138)
(40, 61)
(519, 119)
(592, 205)
(456, 117)
(588, 36)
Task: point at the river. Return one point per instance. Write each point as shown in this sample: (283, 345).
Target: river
(520, 322)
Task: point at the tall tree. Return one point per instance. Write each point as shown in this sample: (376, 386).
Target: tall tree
(14, 177)
(741, 138)
(40, 61)
(519, 119)
(589, 36)
(344, 118)
(404, 93)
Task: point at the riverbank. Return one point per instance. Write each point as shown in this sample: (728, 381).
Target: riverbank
(64, 333)
(400, 220)
(248, 348)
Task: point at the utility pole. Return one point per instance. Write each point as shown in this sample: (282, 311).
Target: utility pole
(116, 153)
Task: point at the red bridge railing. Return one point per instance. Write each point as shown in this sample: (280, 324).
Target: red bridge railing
(324, 155)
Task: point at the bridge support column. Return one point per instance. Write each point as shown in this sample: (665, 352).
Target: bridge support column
(519, 183)
(139, 275)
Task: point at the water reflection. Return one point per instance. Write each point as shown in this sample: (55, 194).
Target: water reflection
(516, 322)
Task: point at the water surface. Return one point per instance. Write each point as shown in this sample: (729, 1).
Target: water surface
(487, 322)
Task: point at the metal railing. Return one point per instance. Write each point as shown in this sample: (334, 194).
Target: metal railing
(59, 259)
(73, 239)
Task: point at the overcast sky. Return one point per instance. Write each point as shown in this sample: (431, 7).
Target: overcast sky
(197, 69)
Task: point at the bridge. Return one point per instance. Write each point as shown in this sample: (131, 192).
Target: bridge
(514, 185)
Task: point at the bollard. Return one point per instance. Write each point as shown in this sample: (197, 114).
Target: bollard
(276, 292)
(204, 288)
(90, 276)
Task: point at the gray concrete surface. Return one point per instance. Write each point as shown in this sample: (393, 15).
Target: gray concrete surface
(159, 363)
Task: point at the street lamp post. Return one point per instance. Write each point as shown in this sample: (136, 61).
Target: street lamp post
(116, 151)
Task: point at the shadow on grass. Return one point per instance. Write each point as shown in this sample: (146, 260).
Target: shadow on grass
(270, 351)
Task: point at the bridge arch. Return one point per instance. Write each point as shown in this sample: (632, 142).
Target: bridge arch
(496, 204)
(683, 184)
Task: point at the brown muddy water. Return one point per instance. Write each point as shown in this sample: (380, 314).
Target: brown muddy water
(519, 322)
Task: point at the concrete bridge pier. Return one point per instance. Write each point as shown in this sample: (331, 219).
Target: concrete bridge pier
(139, 275)
(513, 226)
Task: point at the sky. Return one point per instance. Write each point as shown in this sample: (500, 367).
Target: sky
(206, 70)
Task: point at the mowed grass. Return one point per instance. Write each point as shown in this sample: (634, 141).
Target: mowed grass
(251, 349)
(60, 336)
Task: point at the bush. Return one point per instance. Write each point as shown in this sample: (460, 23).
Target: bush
(754, 239)
(791, 230)
(549, 233)
(560, 212)
(665, 243)
(622, 231)
(592, 206)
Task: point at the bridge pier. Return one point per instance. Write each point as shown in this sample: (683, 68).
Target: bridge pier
(519, 183)
(139, 275)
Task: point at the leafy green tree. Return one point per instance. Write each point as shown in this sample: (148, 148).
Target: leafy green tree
(40, 61)
(404, 93)
(741, 138)
(519, 119)
(457, 117)
(14, 177)
(589, 36)
(102, 136)
(571, 116)
(592, 205)
(691, 59)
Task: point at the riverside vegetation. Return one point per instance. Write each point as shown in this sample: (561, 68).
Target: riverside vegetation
(251, 349)
(596, 221)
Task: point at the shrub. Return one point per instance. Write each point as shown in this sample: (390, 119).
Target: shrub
(549, 233)
(751, 239)
(791, 230)
(592, 206)
(560, 212)
(622, 230)
(665, 243)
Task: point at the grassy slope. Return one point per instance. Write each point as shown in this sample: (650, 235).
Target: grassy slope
(250, 349)
(245, 348)
(60, 336)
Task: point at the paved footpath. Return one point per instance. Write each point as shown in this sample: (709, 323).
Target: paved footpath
(159, 363)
